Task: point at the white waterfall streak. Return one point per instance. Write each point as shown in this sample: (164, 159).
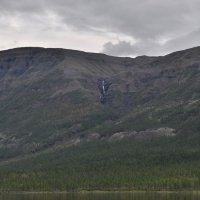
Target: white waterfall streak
(103, 86)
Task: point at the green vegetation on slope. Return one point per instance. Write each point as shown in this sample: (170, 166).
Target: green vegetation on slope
(49, 98)
(159, 164)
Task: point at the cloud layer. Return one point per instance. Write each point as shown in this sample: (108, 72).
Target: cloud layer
(116, 27)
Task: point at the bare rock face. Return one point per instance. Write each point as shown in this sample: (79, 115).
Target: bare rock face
(147, 134)
(92, 137)
(155, 133)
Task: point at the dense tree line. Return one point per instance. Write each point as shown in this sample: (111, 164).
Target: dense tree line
(160, 164)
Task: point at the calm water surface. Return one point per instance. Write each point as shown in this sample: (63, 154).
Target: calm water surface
(105, 196)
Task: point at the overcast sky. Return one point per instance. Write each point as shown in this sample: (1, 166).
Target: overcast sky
(115, 27)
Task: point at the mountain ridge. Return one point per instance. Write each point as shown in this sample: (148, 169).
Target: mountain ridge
(53, 76)
(118, 113)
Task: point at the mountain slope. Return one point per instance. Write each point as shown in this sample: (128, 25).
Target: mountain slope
(57, 101)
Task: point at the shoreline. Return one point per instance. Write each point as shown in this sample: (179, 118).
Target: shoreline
(100, 192)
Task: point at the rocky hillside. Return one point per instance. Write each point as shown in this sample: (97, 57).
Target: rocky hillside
(58, 97)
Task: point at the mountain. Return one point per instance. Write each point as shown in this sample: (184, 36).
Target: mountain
(83, 116)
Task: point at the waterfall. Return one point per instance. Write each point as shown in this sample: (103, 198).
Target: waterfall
(103, 86)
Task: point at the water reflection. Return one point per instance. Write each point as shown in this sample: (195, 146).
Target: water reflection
(104, 196)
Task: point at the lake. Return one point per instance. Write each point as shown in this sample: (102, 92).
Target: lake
(103, 196)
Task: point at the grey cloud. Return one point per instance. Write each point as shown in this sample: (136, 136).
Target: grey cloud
(145, 21)
(140, 19)
(184, 41)
(125, 48)
(23, 6)
(153, 48)
(121, 48)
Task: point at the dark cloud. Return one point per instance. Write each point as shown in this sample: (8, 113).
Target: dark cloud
(123, 27)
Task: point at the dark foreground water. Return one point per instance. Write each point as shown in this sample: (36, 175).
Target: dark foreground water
(105, 196)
